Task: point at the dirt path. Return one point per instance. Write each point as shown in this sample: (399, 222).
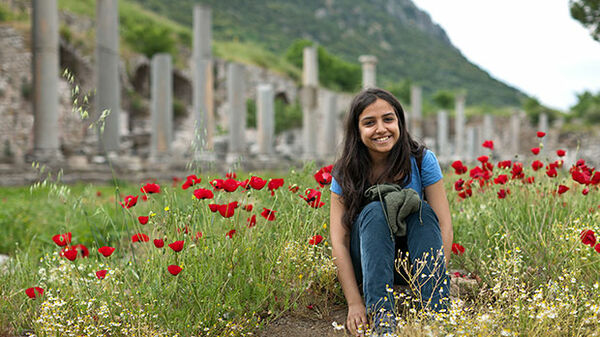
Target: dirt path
(293, 326)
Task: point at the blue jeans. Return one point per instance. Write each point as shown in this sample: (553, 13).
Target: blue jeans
(373, 250)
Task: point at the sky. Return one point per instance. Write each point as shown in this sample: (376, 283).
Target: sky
(532, 45)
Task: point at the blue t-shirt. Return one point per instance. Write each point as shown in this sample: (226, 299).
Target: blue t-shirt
(430, 167)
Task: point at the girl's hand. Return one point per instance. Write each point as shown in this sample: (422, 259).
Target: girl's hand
(357, 319)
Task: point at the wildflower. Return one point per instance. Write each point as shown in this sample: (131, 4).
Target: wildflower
(190, 180)
(505, 164)
(159, 243)
(458, 167)
(458, 185)
(530, 180)
(488, 144)
(129, 201)
(174, 269)
(231, 175)
(466, 193)
(143, 219)
(62, 239)
(251, 221)
(274, 184)
(166, 208)
(323, 176)
(551, 172)
(248, 207)
(70, 254)
(177, 246)
(257, 183)
(536, 165)
(203, 193)
(313, 198)
(230, 185)
(585, 191)
(150, 188)
(198, 235)
(230, 234)
(561, 153)
(106, 251)
(458, 249)
(293, 188)
(101, 274)
(588, 237)
(81, 249)
(502, 193)
(34, 292)
(227, 210)
(315, 240)
(213, 207)
(268, 214)
(597, 248)
(535, 150)
(217, 184)
(501, 179)
(244, 184)
(140, 237)
(540, 134)
(483, 159)
(562, 189)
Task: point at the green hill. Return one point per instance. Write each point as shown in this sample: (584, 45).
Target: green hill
(408, 45)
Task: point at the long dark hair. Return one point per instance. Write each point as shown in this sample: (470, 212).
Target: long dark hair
(353, 169)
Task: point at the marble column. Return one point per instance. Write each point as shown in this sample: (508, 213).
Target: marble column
(265, 110)
(309, 93)
(473, 144)
(327, 148)
(202, 78)
(488, 127)
(108, 94)
(237, 109)
(369, 63)
(543, 123)
(45, 80)
(459, 126)
(416, 112)
(515, 128)
(442, 135)
(162, 105)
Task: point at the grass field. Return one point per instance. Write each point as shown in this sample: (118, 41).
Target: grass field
(528, 237)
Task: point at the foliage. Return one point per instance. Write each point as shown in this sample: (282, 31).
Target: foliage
(287, 116)
(587, 107)
(5, 13)
(587, 12)
(533, 108)
(146, 38)
(444, 99)
(401, 90)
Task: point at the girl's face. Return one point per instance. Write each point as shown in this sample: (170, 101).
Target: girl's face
(378, 128)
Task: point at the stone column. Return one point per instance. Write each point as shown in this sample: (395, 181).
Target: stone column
(515, 127)
(416, 112)
(459, 126)
(45, 80)
(488, 127)
(327, 148)
(162, 105)
(369, 63)
(543, 123)
(265, 110)
(237, 110)
(202, 78)
(442, 135)
(310, 83)
(473, 144)
(108, 94)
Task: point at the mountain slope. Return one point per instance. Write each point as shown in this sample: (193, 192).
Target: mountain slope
(406, 42)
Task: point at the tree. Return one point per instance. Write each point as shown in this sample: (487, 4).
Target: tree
(587, 12)
(587, 107)
(443, 99)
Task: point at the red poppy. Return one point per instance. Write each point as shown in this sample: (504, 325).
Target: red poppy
(502, 193)
(251, 221)
(227, 210)
(536, 165)
(488, 144)
(540, 134)
(315, 240)
(34, 292)
(562, 189)
(244, 184)
(174, 269)
(159, 243)
(150, 188)
(69, 253)
(458, 185)
(101, 274)
(230, 234)
(177, 246)
(230, 185)
(268, 214)
(466, 193)
(248, 207)
(231, 175)
(98, 193)
(530, 180)
(458, 167)
(588, 237)
(501, 179)
(483, 159)
(323, 176)
(143, 219)
(81, 249)
(596, 178)
(561, 152)
(585, 191)
(198, 236)
(217, 184)
(185, 229)
(293, 188)
(106, 251)
(597, 248)
(213, 207)
(203, 193)
(551, 172)
(62, 239)
(175, 181)
(505, 164)
(274, 184)
(458, 249)
(313, 198)
(129, 201)
(257, 183)
(190, 180)
(140, 237)
(535, 150)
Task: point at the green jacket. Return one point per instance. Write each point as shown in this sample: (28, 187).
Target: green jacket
(398, 204)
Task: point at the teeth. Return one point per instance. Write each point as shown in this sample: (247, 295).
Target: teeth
(383, 139)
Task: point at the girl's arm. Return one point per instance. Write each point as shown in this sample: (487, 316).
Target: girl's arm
(436, 197)
(340, 244)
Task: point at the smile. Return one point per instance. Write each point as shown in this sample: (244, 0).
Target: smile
(382, 139)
